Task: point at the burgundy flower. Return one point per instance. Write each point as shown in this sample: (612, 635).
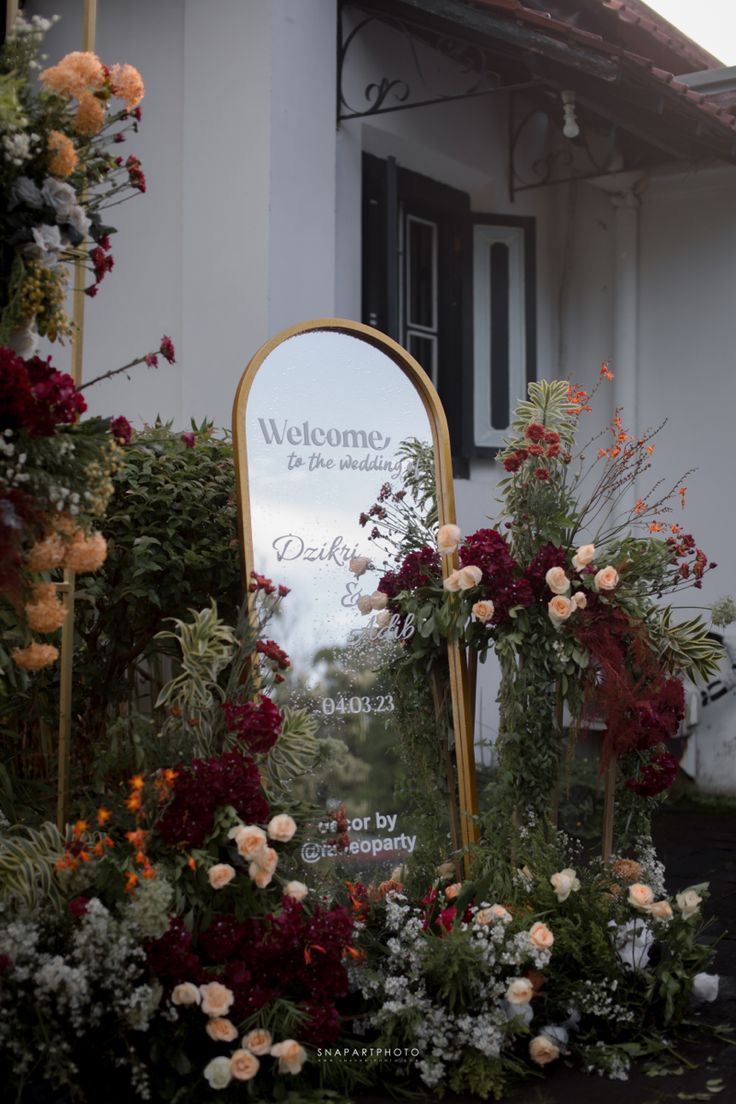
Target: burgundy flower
(203, 787)
(35, 397)
(503, 582)
(542, 475)
(535, 431)
(277, 656)
(256, 723)
(121, 430)
(657, 775)
(171, 958)
(151, 360)
(418, 569)
(549, 555)
(167, 350)
(189, 439)
(77, 907)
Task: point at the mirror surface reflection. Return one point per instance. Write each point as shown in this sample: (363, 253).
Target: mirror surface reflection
(325, 419)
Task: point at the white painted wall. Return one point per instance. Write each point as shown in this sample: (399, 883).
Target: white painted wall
(235, 237)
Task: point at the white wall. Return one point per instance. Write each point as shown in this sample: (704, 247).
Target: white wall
(235, 236)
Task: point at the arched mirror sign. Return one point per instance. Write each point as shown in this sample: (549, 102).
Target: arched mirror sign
(335, 427)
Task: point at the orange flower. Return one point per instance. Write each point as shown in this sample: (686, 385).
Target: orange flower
(606, 372)
(191, 863)
(35, 656)
(131, 880)
(99, 849)
(80, 827)
(170, 775)
(86, 553)
(655, 527)
(355, 953)
(74, 74)
(602, 452)
(134, 802)
(103, 815)
(136, 839)
(46, 554)
(675, 529)
(148, 872)
(137, 782)
(615, 451)
(85, 856)
(649, 450)
(63, 156)
(681, 493)
(46, 613)
(639, 506)
(90, 116)
(127, 84)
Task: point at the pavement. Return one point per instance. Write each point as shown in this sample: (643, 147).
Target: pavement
(697, 843)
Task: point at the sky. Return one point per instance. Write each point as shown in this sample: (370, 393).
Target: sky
(711, 23)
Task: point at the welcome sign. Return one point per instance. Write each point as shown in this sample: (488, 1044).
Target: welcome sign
(320, 417)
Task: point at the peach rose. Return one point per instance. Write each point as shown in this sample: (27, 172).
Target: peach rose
(258, 1041)
(216, 998)
(688, 903)
(541, 936)
(448, 538)
(580, 599)
(520, 991)
(493, 915)
(243, 1065)
(222, 1031)
(557, 580)
(559, 608)
(661, 910)
(641, 896)
(291, 1056)
(281, 828)
(445, 870)
(483, 611)
(220, 875)
(297, 890)
(261, 871)
(606, 579)
(186, 993)
(379, 600)
(468, 577)
(565, 882)
(452, 582)
(364, 604)
(543, 1050)
(452, 890)
(383, 620)
(250, 840)
(584, 555)
(359, 565)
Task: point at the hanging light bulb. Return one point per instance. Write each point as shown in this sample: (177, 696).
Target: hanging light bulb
(570, 126)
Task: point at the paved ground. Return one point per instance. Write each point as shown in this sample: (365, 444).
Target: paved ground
(697, 844)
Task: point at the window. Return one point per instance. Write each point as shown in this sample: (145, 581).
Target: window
(504, 355)
(456, 290)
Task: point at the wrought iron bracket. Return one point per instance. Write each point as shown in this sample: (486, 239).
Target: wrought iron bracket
(564, 159)
(474, 72)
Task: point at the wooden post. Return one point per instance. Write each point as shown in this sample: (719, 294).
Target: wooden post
(609, 804)
(440, 710)
(11, 14)
(66, 661)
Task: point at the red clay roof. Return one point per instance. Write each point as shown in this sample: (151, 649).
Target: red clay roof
(642, 28)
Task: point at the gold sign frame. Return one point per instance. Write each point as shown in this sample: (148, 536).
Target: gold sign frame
(462, 713)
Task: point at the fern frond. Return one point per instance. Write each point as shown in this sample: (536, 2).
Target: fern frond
(27, 860)
(685, 647)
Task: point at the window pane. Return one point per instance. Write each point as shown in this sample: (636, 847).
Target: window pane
(424, 349)
(421, 272)
(499, 307)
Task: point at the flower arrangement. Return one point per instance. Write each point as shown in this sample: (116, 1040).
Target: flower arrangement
(567, 592)
(477, 993)
(184, 946)
(58, 177)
